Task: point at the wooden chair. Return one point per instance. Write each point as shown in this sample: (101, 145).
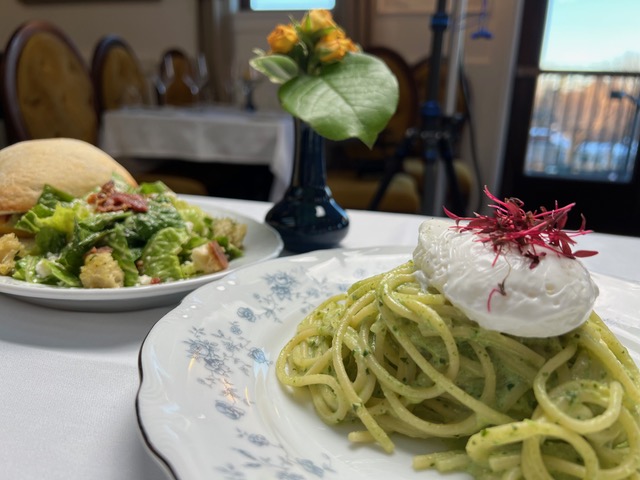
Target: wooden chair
(119, 81)
(177, 76)
(117, 76)
(46, 86)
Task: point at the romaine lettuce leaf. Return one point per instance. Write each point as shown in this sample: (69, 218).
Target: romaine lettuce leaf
(61, 216)
(123, 255)
(49, 239)
(104, 220)
(160, 257)
(59, 275)
(28, 269)
(153, 187)
(51, 197)
(161, 214)
(202, 224)
(72, 255)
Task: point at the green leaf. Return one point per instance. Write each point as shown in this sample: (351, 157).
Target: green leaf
(139, 228)
(59, 275)
(160, 257)
(102, 221)
(51, 196)
(148, 188)
(201, 223)
(277, 68)
(125, 257)
(27, 269)
(49, 239)
(72, 255)
(354, 98)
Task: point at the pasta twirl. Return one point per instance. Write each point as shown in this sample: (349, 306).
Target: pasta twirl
(404, 360)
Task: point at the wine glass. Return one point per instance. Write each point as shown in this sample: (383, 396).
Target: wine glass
(165, 79)
(202, 78)
(250, 80)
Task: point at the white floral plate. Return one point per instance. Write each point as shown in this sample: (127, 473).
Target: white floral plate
(210, 406)
(261, 243)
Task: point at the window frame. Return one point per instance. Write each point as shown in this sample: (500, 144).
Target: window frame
(245, 5)
(609, 207)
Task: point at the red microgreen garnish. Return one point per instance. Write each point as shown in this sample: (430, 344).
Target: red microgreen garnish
(528, 231)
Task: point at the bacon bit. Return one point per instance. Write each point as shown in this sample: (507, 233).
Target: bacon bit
(217, 252)
(155, 280)
(511, 225)
(108, 199)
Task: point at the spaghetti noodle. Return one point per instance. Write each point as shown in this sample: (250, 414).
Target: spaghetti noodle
(402, 359)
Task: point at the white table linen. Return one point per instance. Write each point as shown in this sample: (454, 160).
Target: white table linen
(204, 134)
(69, 379)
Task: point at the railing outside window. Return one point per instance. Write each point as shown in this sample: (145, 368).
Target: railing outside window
(583, 126)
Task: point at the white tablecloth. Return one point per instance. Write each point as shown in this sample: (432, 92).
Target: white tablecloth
(203, 134)
(69, 379)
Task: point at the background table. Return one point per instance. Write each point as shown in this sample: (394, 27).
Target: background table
(69, 379)
(203, 134)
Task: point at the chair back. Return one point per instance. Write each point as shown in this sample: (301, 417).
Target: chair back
(46, 86)
(407, 111)
(117, 76)
(177, 76)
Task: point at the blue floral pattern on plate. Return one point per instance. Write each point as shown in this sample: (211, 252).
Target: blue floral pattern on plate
(209, 403)
(203, 364)
(223, 353)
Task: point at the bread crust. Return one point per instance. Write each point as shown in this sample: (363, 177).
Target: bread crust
(73, 166)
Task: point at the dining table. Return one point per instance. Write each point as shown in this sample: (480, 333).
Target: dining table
(140, 137)
(69, 379)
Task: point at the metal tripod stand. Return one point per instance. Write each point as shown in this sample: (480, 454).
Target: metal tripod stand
(435, 134)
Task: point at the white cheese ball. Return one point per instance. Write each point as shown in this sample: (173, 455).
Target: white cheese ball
(553, 298)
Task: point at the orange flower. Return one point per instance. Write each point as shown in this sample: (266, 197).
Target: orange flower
(334, 46)
(282, 39)
(315, 20)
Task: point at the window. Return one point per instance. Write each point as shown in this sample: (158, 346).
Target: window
(271, 5)
(583, 124)
(575, 116)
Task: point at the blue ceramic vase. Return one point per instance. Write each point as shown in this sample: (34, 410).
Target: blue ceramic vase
(307, 217)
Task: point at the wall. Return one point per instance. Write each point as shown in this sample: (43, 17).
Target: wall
(149, 26)
(152, 26)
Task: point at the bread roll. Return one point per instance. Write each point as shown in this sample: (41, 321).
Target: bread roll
(73, 166)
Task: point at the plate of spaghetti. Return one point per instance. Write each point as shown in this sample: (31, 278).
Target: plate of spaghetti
(487, 351)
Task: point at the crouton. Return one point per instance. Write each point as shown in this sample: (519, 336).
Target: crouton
(101, 270)
(234, 231)
(10, 246)
(209, 258)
